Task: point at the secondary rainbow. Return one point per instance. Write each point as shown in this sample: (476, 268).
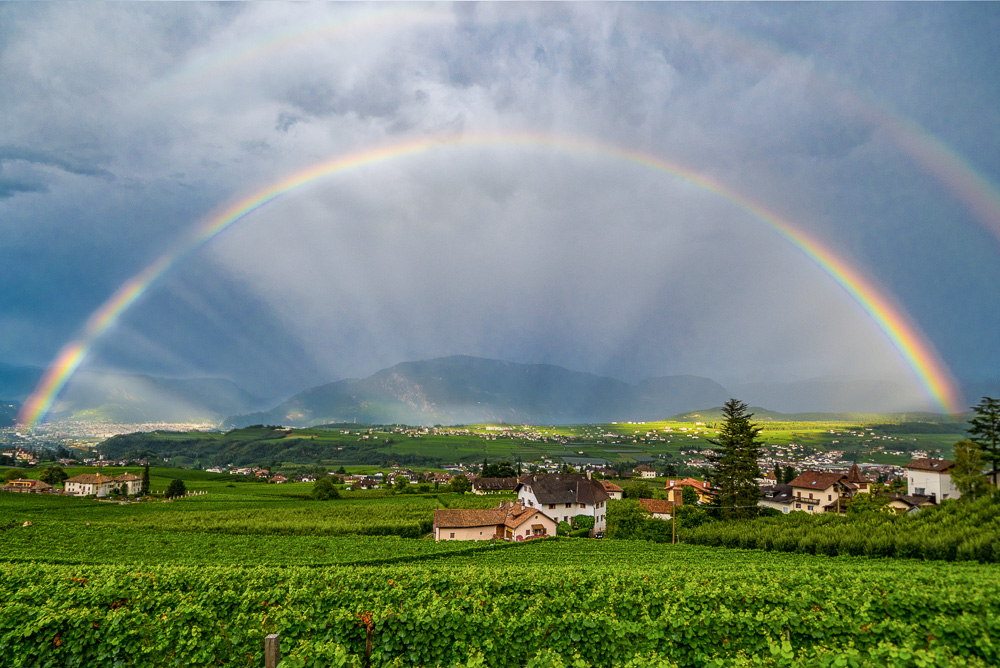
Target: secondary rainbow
(927, 367)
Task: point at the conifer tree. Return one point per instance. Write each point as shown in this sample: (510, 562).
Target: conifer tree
(735, 472)
(145, 481)
(985, 431)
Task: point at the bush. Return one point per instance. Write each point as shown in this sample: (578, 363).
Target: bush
(176, 488)
(323, 490)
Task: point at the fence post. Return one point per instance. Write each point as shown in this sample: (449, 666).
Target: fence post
(272, 650)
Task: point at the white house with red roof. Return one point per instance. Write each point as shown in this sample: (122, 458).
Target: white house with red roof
(508, 521)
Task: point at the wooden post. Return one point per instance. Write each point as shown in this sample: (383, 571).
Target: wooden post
(272, 650)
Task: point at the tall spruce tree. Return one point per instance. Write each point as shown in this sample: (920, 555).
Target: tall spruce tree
(985, 431)
(144, 490)
(735, 472)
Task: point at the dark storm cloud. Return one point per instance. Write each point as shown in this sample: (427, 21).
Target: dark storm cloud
(126, 126)
(45, 158)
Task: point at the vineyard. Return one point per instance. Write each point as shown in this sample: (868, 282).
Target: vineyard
(953, 531)
(200, 581)
(552, 603)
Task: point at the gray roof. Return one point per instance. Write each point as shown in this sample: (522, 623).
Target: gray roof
(563, 488)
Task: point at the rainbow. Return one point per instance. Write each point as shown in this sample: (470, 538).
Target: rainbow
(957, 175)
(914, 348)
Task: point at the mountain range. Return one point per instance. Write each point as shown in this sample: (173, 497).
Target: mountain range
(462, 390)
(448, 390)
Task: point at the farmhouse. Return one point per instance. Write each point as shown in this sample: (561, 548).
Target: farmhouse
(508, 521)
(645, 472)
(931, 477)
(702, 488)
(614, 491)
(493, 485)
(662, 509)
(563, 496)
(779, 497)
(27, 486)
(96, 484)
(904, 503)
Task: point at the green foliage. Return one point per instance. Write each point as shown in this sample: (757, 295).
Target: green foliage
(637, 490)
(625, 519)
(563, 529)
(498, 470)
(176, 488)
(735, 472)
(967, 473)
(583, 522)
(144, 489)
(868, 503)
(15, 474)
(984, 430)
(593, 603)
(53, 475)
(689, 497)
(460, 484)
(324, 490)
(954, 531)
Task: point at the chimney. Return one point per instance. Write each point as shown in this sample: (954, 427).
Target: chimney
(678, 496)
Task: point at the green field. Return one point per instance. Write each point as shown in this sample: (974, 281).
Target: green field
(199, 581)
(885, 439)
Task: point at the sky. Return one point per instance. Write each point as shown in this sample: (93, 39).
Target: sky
(607, 187)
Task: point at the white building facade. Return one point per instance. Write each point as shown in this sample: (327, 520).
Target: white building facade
(931, 477)
(563, 496)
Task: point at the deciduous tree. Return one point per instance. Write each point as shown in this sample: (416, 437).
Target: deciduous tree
(967, 473)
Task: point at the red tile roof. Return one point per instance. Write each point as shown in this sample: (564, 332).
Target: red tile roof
(816, 480)
(657, 506)
(936, 465)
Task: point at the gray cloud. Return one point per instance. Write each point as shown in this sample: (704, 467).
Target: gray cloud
(130, 124)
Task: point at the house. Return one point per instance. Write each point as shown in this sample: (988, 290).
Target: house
(367, 483)
(278, 479)
(614, 491)
(96, 484)
(861, 484)
(662, 509)
(905, 503)
(820, 492)
(702, 488)
(132, 483)
(563, 496)
(27, 486)
(493, 485)
(89, 484)
(931, 477)
(645, 472)
(508, 521)
(779, 497)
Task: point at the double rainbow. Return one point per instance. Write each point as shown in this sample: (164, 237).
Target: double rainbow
(918, 353)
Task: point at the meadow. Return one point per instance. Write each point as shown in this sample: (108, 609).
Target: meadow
(883, 439)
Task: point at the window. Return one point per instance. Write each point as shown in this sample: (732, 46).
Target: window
(798, 505)
(829, 497)
(452, 534)
(810, 507)
(583, 505)
(552, 506)
(569, 505)
(918, 490)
